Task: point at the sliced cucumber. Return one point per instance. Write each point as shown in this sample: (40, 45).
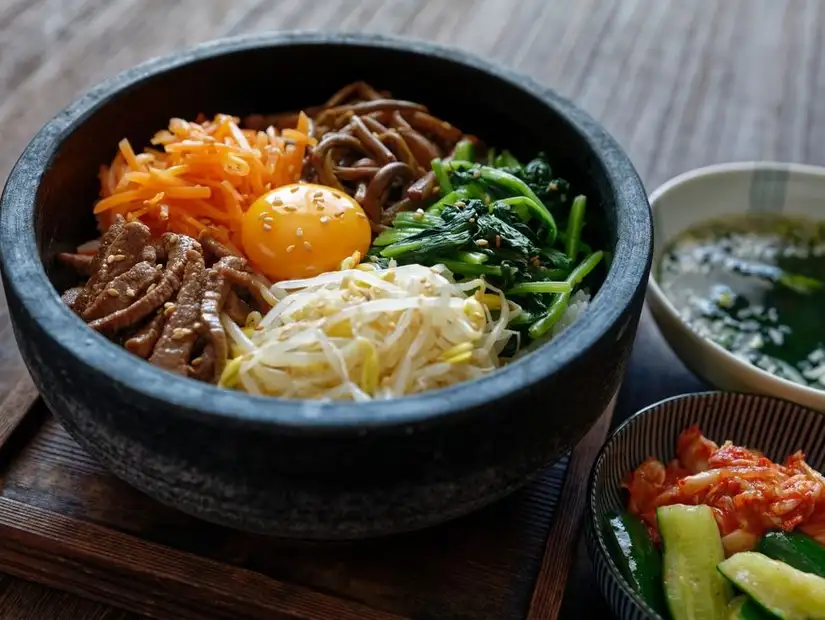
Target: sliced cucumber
(638, 558)
(743, 608)
(692, 549)
(795, 549)
(779, 589)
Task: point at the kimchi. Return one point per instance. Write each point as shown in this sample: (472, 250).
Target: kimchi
(748, 493)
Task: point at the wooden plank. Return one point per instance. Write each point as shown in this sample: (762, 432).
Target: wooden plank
(97, 562)
(564, 534)
(455, 570)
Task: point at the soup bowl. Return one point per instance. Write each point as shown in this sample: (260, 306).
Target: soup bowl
(711, 193)
(304, 468)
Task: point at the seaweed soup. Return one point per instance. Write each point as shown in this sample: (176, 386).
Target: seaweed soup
(756, 286)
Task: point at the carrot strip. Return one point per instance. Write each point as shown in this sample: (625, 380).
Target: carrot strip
(129, 155)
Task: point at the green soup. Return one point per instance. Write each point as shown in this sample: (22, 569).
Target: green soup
(756, 286)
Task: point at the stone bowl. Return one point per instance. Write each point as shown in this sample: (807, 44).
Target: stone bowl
(300, 468)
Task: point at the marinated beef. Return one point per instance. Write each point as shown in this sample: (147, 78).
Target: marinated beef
(162, 299)
(176, 246)
(174, 347)
(214, 248)
(143, 341)
(81, 263)
(122, 291)
(250, 282)
(214, 297)
(236, 308)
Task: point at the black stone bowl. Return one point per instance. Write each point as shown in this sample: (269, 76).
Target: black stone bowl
(307, 469)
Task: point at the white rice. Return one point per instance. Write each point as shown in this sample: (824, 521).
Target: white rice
(578, 304)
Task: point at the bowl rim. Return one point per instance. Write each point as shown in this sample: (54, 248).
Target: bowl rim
(26, 278)
(592, 516)
(774, 386)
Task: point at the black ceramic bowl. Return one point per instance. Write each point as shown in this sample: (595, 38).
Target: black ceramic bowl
(305, 468)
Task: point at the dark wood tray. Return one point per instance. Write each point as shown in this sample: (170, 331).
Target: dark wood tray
(67, 523)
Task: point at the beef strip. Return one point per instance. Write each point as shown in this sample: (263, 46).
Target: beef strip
(251, 282)
(70, 296)
(174, 347)
(122, 254)
(214, 297)
(149, 254)
(144, 340)
(98, 261)
(236, 308)
(177, 247)
(81, 263)
(122, 291)
(202, 367)
(213, 248)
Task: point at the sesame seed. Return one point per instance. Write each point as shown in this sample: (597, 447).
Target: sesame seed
(418, 216)
(262, 215)
(277, 202)
(197, 325)
(307, 246)
(337, 195)
(168, 304)
(299, 232)
(476, 174)
(113, 292)
(169, 309)
(317, 194)
(460, 204)
(290, 248)
(159, 266)
(110, 259)
(130, 292)
(482, 243)
(361, 215)
(119, 257)
(324, 219)
(294, 189)
(197, 361)
(291, 208)
(173, 238)
(266, 227)
(268, 220)
(319, 206)
(339, 214)
(472, 220)
(151, 288)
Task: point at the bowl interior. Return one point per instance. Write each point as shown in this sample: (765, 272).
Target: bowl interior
(58, 175)
(273, 79)
(777, 427)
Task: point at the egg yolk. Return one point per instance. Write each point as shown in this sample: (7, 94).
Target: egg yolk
(301, 230)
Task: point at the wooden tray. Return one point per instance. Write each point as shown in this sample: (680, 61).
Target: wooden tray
(67, 523)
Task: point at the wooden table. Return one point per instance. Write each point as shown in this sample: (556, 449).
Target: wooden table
(680, 83)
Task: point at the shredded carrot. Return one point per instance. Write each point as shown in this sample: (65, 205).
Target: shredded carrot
(201, 175)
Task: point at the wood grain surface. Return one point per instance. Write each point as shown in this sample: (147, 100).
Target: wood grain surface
(680, 83)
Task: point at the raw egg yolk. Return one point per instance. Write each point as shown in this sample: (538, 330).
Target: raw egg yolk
(302, 230)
